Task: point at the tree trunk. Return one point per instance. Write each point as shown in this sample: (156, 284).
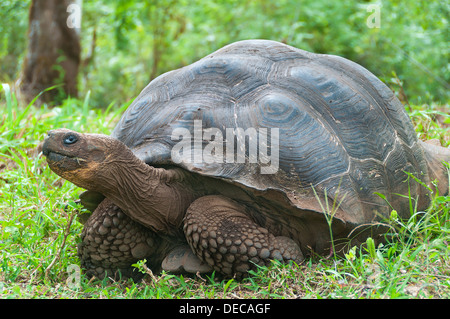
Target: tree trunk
(54, 49)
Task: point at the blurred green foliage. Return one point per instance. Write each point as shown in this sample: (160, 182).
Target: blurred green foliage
(138, 40)
(13, 32)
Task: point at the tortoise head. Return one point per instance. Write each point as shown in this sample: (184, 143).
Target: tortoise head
(83, 159)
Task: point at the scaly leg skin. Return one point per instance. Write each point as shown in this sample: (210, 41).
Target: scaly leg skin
(111, 242)
(220, 233)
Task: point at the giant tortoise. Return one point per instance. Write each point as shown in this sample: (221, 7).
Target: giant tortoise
(251, 154)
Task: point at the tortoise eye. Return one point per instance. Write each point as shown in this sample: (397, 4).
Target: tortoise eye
(70, 139)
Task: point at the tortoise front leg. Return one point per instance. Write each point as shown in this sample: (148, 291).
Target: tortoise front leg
(226, 238)
(111, 242)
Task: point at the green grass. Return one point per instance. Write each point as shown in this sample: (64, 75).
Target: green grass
(38, 235)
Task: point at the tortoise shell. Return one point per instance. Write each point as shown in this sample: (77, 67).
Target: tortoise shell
(317, 128)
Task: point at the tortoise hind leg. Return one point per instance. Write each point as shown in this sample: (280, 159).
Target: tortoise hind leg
(222, 234)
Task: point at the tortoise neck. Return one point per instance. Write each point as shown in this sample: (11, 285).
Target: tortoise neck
(155, 197)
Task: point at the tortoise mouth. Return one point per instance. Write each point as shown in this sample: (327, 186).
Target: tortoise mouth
(55, 157)
(65, 161)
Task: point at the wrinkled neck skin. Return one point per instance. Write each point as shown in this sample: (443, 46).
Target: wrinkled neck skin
(155, 197)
